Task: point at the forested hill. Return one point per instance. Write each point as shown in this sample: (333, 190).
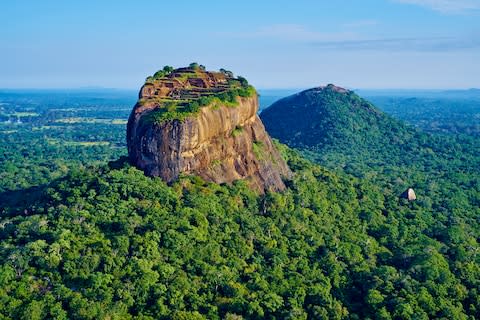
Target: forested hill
(340, 130)
(325, 117)
(333, 121)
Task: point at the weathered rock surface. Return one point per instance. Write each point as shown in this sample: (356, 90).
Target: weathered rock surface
(219, 143)
(409, 194)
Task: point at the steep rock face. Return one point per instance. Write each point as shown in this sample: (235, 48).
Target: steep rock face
(219, 143)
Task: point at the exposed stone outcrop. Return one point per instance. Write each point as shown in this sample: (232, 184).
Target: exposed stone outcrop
(219, 143)
(409, 194)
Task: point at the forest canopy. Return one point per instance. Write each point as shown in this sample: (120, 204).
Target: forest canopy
(112, 243)
(80, 239)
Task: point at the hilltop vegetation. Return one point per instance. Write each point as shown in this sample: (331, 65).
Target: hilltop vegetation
(180, 93)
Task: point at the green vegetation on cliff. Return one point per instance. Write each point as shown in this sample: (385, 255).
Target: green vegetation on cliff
(181, 93)
(170, 110)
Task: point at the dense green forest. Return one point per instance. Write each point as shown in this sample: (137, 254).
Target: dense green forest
(347, 134)
(112, 243)
(80, 239)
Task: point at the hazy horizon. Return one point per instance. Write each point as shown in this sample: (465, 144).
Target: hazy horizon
(136, 89)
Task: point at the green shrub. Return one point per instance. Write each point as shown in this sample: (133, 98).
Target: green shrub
(194, 66)
(237, 131)
(162, 73)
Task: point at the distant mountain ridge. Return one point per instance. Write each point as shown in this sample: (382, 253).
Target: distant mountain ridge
(472, 93)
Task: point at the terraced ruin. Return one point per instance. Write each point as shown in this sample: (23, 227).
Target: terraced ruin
(177, 93)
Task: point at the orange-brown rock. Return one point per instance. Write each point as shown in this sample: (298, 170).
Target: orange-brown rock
(220, 143)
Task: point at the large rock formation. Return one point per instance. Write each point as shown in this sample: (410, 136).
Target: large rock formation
(203, 123)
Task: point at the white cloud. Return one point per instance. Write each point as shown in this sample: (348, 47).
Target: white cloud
(433, 44)
(361, 24)
(293, 32)
(446, 6)
(354, 39)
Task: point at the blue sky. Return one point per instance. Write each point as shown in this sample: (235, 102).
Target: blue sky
(275, 44)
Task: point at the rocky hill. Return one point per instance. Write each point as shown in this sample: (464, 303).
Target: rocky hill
(192, 121)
